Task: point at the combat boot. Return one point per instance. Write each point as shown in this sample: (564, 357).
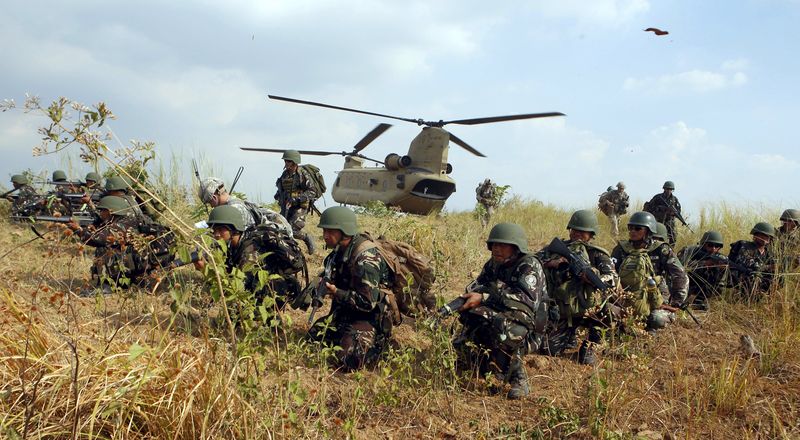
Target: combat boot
(586, 353)
(309, 241)
(518, 378)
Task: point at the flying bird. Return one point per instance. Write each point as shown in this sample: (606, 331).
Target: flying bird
(656, 31)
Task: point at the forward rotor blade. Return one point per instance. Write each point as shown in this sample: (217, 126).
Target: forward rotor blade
(283, 150)
(319, 104)
(464, 145)
(371, 136)
(491, 119)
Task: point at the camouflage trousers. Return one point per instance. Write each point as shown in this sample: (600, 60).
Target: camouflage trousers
(488, 341)
(296, 216)
(672, 230)
(614, 218)
(361, 342)
(486, 215)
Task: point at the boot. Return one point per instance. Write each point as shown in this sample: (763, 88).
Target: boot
(518, 378)
(309, 241)
(586, 354)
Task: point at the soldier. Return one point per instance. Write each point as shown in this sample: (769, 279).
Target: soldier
(117, 262)
(787, 241)
(757, 258)
(296, 195)
(25, 201)
(258, 248)
(486, 194)
(576, 296)
(665, 207)
(614, 203)
(93, 190)
(706, 267)
(356, 277)
(505, 308)
(118, 186)
(642, 264)
(661, 233)
(212, 191)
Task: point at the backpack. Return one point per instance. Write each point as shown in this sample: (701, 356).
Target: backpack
(315, 178)
(412, 274)
(635, 271)
(266, 217)
(605, 205)
(284, 254)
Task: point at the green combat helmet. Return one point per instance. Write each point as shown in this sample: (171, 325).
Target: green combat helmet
(341, 218)
(292, 155)
(115, 205)
(226, 215)
(661, 231)
(644, 218)
(508, 233)
(116, 183)
(19, 179)
(764, 228)
(791, 215)
(669, 185)
(712, 237)
(93, 177)
(59, 176)
(583, 220)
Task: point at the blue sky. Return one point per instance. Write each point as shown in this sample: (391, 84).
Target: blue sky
(711, 106)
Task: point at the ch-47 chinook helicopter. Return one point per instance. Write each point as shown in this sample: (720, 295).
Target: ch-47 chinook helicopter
(418, 182)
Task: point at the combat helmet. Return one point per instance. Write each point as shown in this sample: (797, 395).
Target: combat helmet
(644, 218)
(94, 177)
(583, 220)
(713, 237)
(209, 187)
(669, 185)
(116, 183)
(620, 185)
(115, 205)
(292, 155)
(661, 231)
(59, 176)
(763, 228)
(226, 215)
(508, 233)
(791, 215)
(341, 218)
(19, 179)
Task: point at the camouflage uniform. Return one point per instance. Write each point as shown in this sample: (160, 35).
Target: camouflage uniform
(659, 206)
(613, 204)
(267, 216)
(485, 194)
(26, 201)
(116, 257)
(761, 266)
(360, 321)
(786, 248)
(505, 323)
(295, 196)
(706, 271)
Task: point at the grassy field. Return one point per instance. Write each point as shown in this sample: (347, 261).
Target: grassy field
(162, 365)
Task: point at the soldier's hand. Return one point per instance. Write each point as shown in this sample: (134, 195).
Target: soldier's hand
(200, 264)
(474, 299)
(330, 289)
(85, 198)
(73, 225)
(554, 263)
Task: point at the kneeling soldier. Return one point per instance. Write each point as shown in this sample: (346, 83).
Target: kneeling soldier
(758, 259)
(706, 268)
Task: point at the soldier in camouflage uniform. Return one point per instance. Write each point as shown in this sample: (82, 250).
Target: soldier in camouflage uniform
(646, 297)
(296, 195)
(665, 207)
(759, 260)
(787, 241)
(24, 201)
(118, 186)
(506, 309)
(486, 194)
(706, 267)
(93, 190)
(357, 278)
(212, 192)
(579, 301)
(614, 203)
(255, 249)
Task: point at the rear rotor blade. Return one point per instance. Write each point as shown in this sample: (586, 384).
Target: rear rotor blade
(491, 119)
(465, 145)
(319, 104)
(371, 136)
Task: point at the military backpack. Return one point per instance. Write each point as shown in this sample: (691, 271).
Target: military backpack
(315, 178)
(639, 280)
(282, 253)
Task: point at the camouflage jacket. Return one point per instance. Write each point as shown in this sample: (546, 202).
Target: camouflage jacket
(265, 248)
(618, 201)
(25, 201)
(295, 189)
(760, 264)
(706, 271)
(665, 264)
(786, 247)
(254, 215)
(485, 193)
(517, 289)
(358, 280)
(119, 232)
(660, 205)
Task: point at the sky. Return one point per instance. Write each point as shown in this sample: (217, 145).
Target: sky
(710, 106)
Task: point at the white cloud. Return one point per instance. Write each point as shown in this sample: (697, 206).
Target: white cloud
(698, 81)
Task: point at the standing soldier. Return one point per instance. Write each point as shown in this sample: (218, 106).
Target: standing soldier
(505, 308)
(614, 203)
(575, 294)
(665, 207)
(642, 264)
(25, 201)
(757, 258)
(706, 268)
(486, 194)
(787, 241)
(212, 192)
(356, 277)
(296, 195)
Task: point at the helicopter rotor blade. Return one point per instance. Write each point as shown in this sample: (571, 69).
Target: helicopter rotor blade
(319, 104)
(465, 145)
(283, 150)
(491, 119)
(371, 136)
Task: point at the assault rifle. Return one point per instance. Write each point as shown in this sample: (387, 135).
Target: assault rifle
(66, 183)
(675, 213)
(451, 307)
(82, 220)
(685, 308)
(8, 192)
(321, 290)
(723, 261)
(194, 257)
(578, 267)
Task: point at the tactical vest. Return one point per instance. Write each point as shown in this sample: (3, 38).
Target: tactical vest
(638, 278)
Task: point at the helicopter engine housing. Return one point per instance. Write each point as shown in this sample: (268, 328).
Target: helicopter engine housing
(395, 162)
